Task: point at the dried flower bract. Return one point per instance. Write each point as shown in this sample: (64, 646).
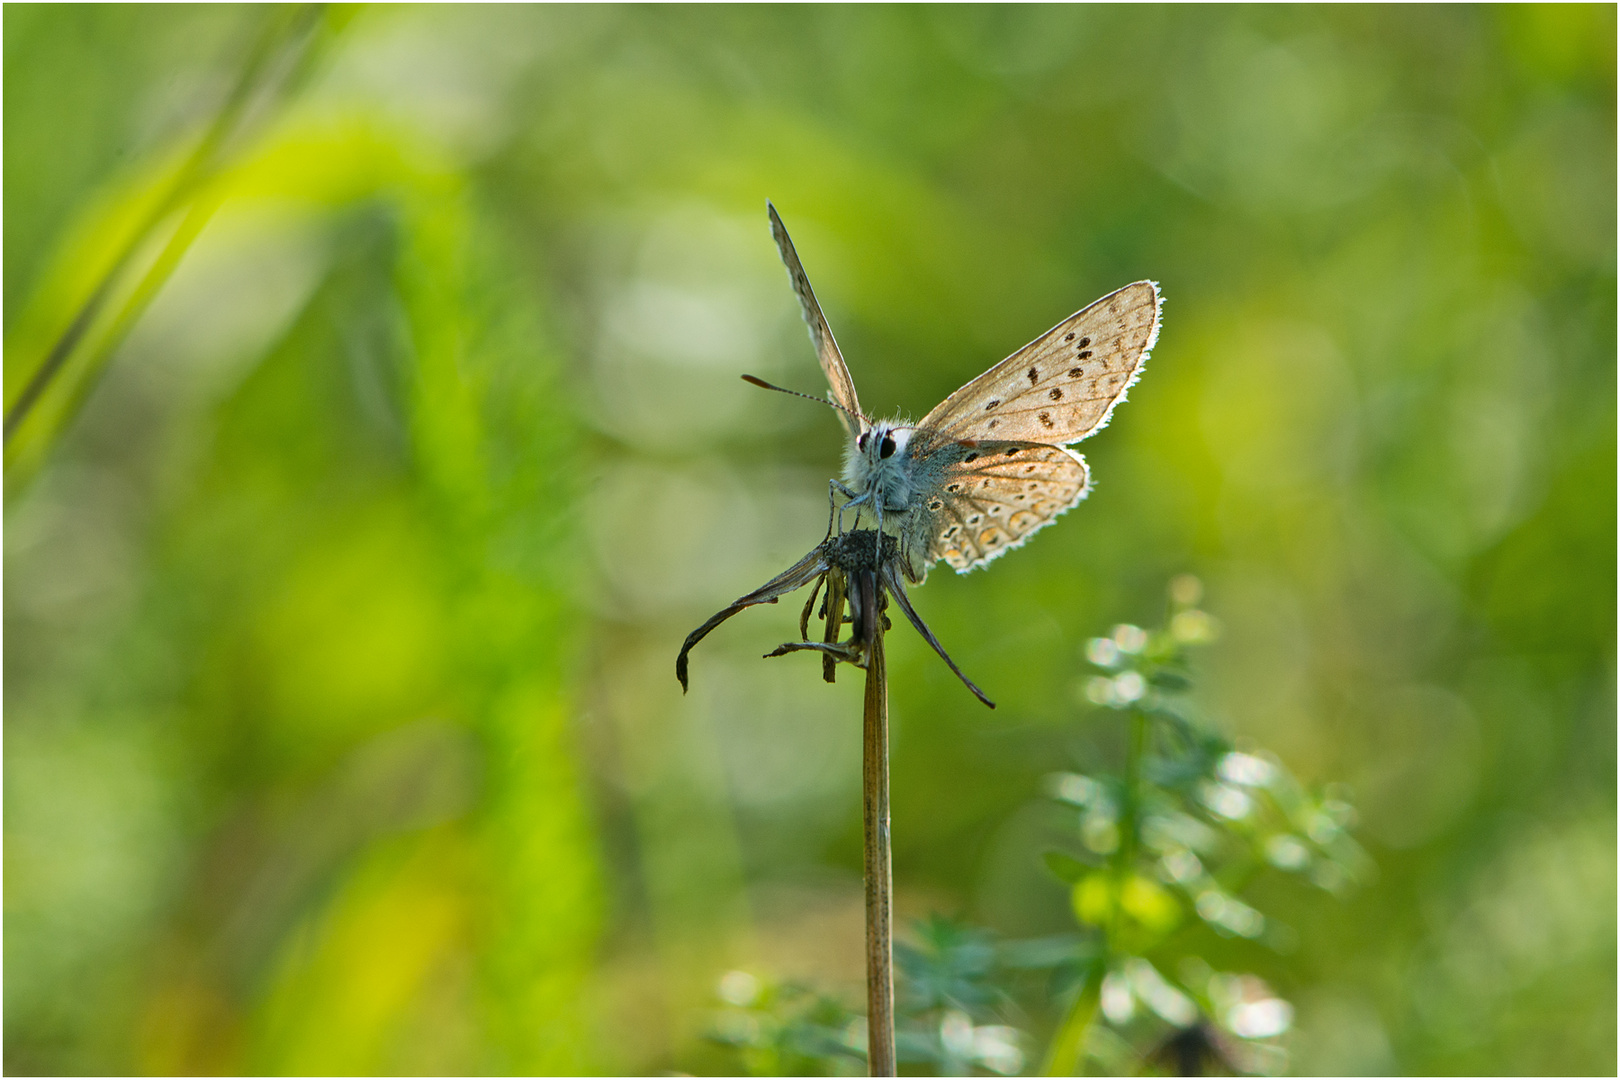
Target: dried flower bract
(830, 569)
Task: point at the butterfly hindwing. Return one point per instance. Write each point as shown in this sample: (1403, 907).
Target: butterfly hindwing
(993, 494)
(1062, 386)
(832, 361)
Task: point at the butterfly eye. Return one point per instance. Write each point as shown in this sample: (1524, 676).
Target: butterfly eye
(887, 449)
(860, 443)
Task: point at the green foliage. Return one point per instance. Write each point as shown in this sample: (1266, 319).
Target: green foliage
(1164, 844)
(353, 645)
(1172, 840)
(950, 978)
(789, 1030)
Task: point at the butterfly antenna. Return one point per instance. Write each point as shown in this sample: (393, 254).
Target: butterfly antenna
(763, 385)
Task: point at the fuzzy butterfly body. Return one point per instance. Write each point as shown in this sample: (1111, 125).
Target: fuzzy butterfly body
(989, 466)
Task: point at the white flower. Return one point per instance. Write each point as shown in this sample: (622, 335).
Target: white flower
(1230, 913)
(1117, 1002)
(1100, 690)
(1193, 627)
(1246, 769)
(739, 988)
(996, 1047)
(1260, 1019)
(1102, 652)
(1183, 866)
(1130, 639)
(1287, 852)
(956, 1034)
(1129, 687)
(1076, 789)
(1227, 801)
(1159, 995)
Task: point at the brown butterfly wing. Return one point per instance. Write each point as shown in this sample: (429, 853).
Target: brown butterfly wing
(832, 361)
(993, 495)
(1062, 386)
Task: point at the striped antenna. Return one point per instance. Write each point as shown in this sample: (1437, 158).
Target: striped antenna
(763, 385)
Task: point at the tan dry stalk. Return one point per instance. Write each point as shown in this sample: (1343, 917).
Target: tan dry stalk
(875, 804)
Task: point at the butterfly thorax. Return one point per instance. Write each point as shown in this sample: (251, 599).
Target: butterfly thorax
(893, 465)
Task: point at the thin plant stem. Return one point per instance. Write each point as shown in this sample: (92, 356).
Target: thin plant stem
(1131, 812)
(1064, 1057)
(875, 804)
(1068, 1045)
(860, 569)
(1129, 829)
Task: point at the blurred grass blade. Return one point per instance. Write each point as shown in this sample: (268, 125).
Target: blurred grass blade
(1065, 1055)
(152, 226)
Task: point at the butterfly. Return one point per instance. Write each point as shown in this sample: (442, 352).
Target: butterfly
(989, 466)
(976, 477)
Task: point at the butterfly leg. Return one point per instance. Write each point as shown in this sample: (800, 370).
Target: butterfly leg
(853, 498)
(835, 513)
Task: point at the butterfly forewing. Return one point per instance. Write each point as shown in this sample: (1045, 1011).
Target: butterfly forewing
(832, 361)
(996, 494)
(1060, 387)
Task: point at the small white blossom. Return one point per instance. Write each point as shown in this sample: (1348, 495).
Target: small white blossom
(739, 988)
(1246, 769)
(1130, 639)
(1260, 1019)
(1103, 652)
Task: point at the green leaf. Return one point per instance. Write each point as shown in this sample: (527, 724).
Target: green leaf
(1168, 679)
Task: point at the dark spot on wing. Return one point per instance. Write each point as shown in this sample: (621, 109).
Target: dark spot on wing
(1046, 419)
(1013, 452)
(1075, 373)
(1056, 394)
(953, 487)
(934, 504)
(1085, 354)
(992, 403)
(1083, 342)
(975, 519)
(993, 423)
(1034, 376)
(970, 457)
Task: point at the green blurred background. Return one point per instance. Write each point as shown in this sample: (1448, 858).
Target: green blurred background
(344, 578)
